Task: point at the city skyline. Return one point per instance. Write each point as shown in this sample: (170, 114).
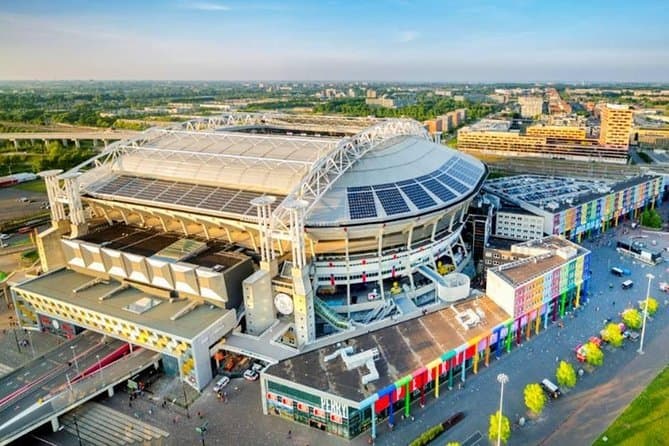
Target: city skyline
(522, 41)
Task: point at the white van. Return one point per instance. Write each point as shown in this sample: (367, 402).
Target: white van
(627, 284)
(551, 389)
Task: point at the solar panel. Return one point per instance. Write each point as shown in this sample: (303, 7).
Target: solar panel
(361, 205)
(383, 186)
(358, 188)
(392, 201)
(185, 194)
(453, 183)
(405, 182)
(439, 190)
(418, 196)
(424, 177)
(466, 172)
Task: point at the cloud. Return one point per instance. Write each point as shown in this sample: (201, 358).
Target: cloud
(407, 36)
(206, 6)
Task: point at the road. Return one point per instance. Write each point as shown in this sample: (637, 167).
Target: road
(48, 375)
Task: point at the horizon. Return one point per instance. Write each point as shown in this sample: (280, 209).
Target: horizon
(488, 42)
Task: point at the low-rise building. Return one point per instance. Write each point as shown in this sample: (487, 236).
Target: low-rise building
(574, 207)
(550, 280)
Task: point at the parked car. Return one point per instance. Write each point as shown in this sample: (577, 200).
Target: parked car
(4, 236)
(251, 375)
(257, 367)
(221, 383)
(453, 420)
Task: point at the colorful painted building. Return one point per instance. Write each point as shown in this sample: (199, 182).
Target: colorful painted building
(551, 279)
(574, 208)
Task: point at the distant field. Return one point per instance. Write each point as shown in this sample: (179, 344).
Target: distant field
(646, 420)
(33, 186)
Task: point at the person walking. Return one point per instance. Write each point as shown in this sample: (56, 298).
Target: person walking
(290, 434)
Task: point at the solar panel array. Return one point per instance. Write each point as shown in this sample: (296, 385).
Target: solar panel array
(361, 205)
(184, 194)
(454, 178)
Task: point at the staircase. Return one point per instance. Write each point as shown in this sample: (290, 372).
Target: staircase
(330, 316)
(101, 425)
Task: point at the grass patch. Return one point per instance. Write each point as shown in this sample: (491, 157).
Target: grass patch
(33, 186)
(645, 420)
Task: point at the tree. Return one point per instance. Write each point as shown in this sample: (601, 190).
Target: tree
(612, 334)
(493, 430)
(535, 398)
(565, 374)
(652, 305)
(632, 318)
(593, 354)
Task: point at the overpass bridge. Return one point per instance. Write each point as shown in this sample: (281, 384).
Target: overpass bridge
(61, 380)
(105, 136)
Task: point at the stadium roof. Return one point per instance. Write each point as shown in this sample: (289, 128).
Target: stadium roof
(404, 176)
(390, 170)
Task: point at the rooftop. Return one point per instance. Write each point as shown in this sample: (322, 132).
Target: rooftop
(167, 246)
(544, 254)
(403, 177)
(555, 194)
(489, 125)
(403, 348)
(60, 284)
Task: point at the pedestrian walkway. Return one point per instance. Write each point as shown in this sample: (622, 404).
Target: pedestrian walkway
(101, 425)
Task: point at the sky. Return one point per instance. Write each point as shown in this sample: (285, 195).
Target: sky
(382, 40)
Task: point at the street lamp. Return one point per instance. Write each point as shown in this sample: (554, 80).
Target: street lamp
(502, 379)
(74, 356)
(645, 312)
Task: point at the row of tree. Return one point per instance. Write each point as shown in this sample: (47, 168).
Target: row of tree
(565, 374)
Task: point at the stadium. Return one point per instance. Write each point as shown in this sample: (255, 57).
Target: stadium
(267, 235)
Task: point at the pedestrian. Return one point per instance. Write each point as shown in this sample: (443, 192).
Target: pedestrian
(557, 359)
(290, 434)
(613, 303)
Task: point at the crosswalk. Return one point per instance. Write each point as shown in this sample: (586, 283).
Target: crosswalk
(5, 369)
(101, 425)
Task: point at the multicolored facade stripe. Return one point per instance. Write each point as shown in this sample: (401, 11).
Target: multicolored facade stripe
(601, 213)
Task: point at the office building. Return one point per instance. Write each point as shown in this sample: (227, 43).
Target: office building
(518, 224)
(531, 106)
(616, 126)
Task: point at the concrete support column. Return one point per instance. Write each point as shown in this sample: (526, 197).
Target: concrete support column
(55, 424)
(373, 422)
(537, 322)
(110, 391)
(463, 365)
(487, 353)
(436, 381)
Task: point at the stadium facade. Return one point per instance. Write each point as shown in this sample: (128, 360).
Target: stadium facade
(309, 229)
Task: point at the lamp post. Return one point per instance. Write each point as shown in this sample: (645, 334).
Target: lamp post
(74, 357)
(645, 312)
(502, 379)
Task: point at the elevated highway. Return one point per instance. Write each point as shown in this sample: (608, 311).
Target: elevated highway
(63, 379)
(74, 136)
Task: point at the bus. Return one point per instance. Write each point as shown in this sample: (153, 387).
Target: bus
(639, 251)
